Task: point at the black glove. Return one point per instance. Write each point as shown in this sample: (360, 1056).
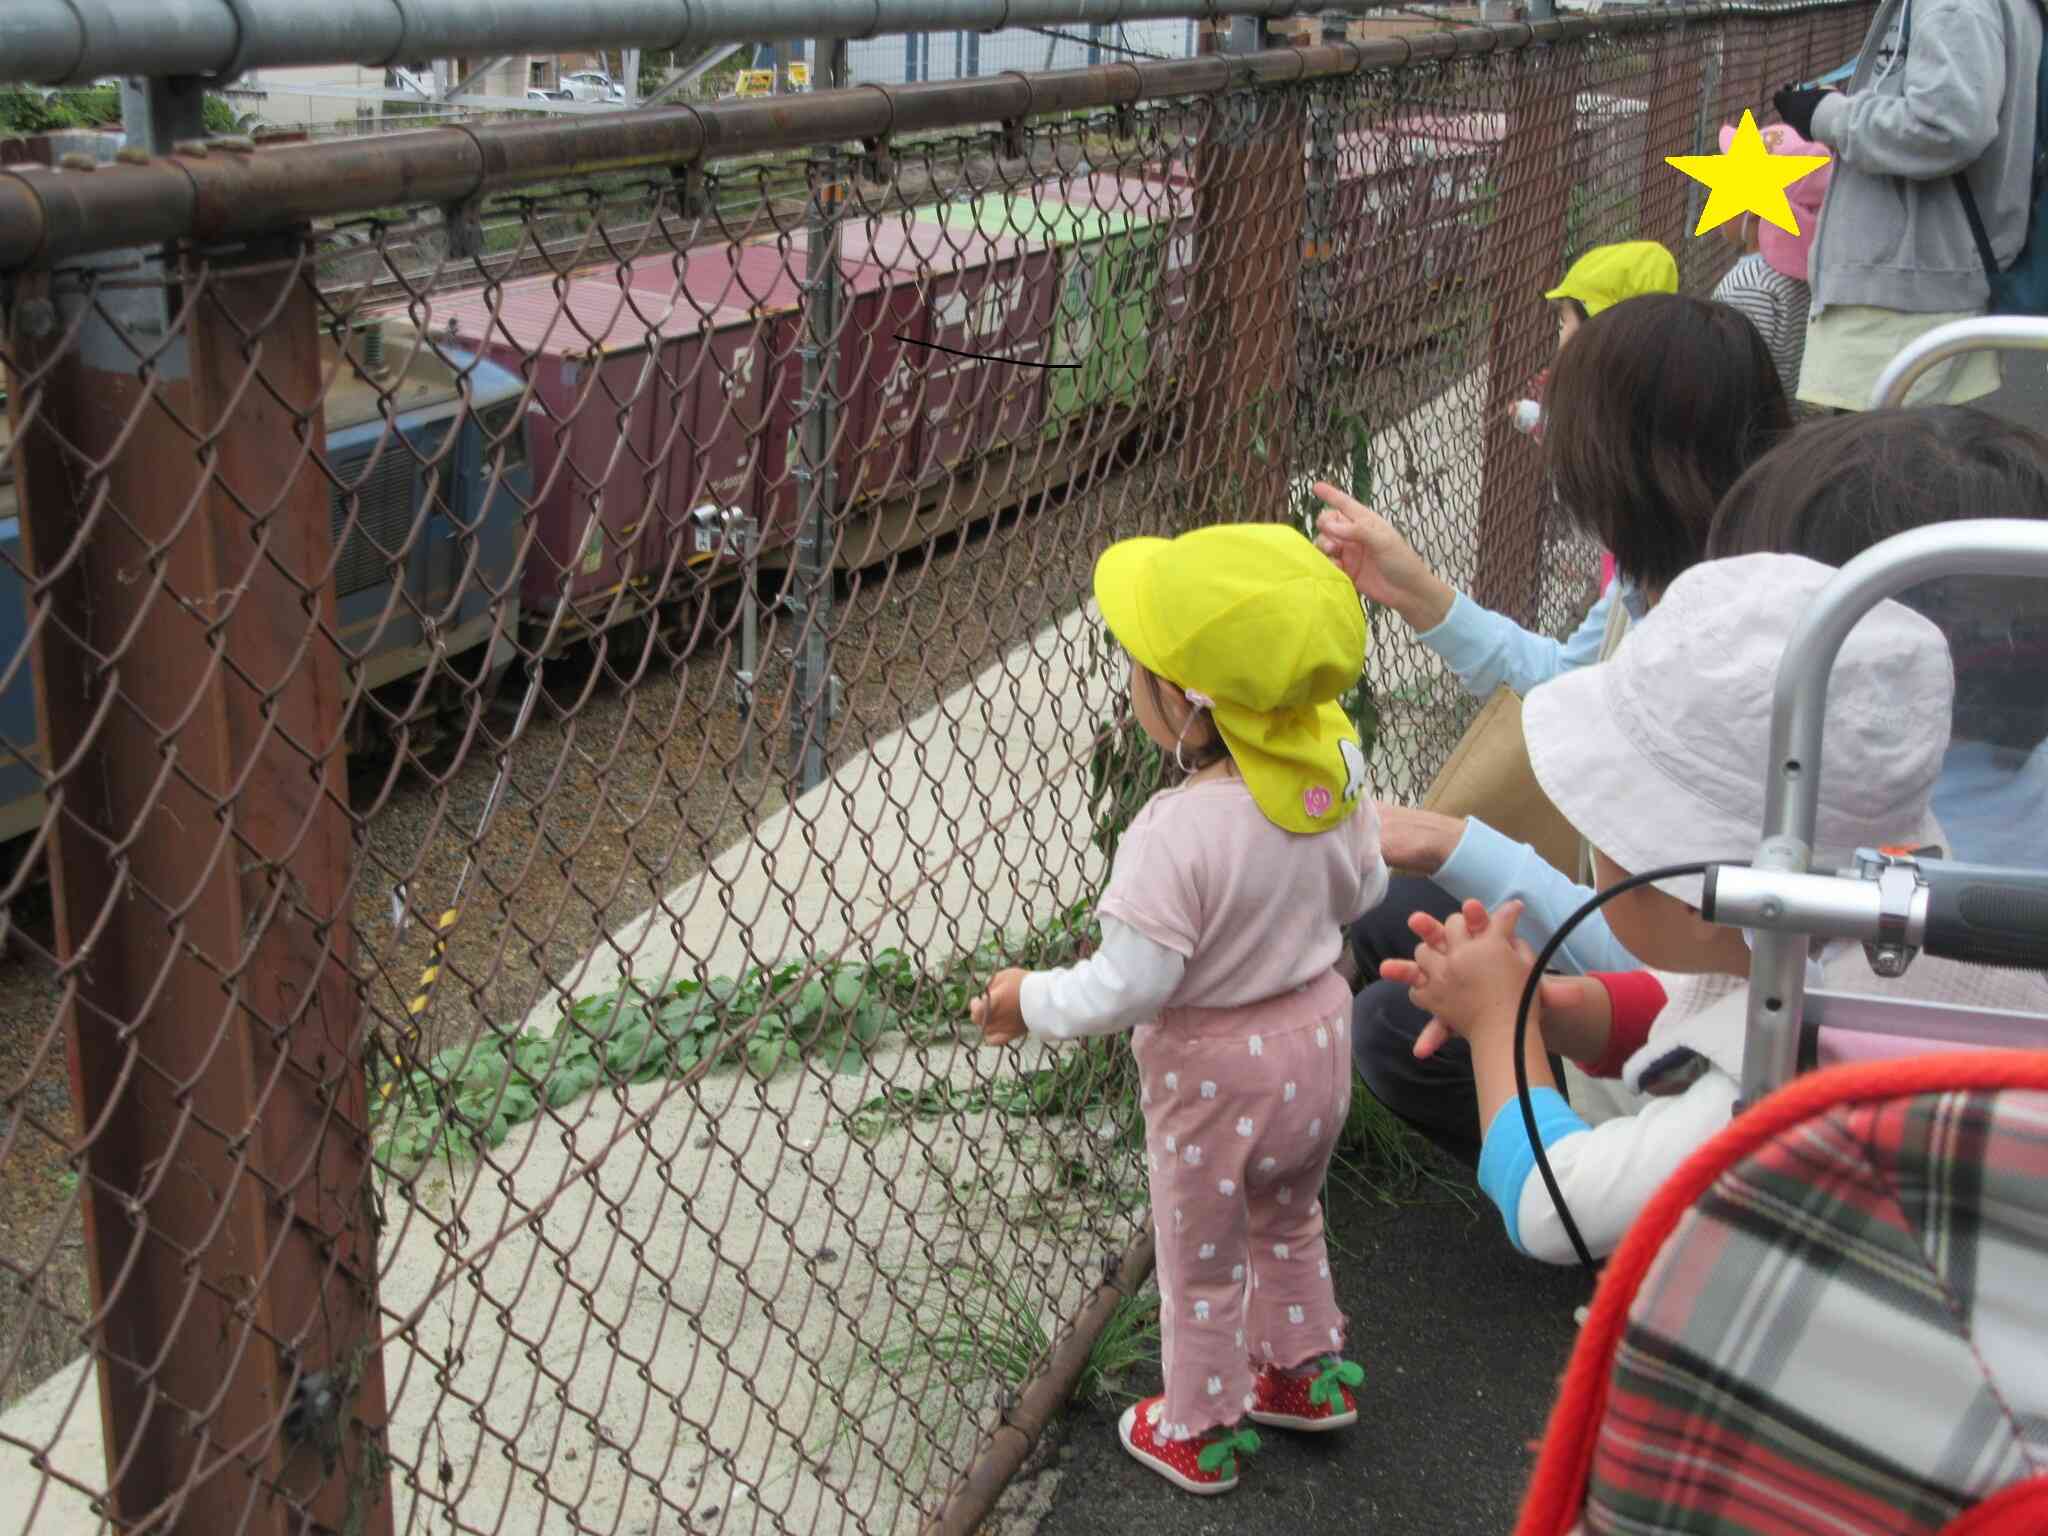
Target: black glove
(1795, 105)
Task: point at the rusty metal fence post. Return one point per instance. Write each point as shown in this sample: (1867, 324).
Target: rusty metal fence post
(200, 835)
(1250, 202)
(1526, 243)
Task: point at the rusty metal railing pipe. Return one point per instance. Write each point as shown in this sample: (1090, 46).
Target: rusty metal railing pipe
(971, 1499)
(220, 195)
(62, 42)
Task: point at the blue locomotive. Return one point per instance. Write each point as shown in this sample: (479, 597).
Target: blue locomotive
(427, 507)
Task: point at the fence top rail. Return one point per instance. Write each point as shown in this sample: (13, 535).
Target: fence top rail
(230, 190)
(55, 42)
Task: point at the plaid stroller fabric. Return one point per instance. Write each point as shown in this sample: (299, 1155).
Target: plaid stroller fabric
(1834, 1320)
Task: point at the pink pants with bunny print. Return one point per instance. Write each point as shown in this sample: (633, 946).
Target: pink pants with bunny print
(1243, 1107)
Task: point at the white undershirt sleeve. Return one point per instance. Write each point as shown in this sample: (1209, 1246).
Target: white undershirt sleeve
(1607, 1174)
(1122, 985)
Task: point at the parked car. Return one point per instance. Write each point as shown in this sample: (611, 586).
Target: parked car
(590, 85)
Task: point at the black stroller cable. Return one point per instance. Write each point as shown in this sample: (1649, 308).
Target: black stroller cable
(1528, 1002)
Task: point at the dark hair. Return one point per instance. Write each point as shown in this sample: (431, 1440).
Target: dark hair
(1655, 408)
(1195, 752)
(1573, 305)
(1843, 484)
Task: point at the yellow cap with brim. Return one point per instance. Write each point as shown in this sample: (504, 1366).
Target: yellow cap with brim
(1607, 274)
(1258, 622)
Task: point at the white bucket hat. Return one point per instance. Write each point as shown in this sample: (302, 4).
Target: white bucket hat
(1657, 756)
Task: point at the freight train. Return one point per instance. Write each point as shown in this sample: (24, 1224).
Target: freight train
(426, 512)
(574, 444)
(670, 392)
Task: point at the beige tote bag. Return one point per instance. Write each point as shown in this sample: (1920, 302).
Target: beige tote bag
(1488, 776)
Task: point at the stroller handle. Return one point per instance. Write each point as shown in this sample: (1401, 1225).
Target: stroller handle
(1978, 914)
(1985, 333)
(1976, 547)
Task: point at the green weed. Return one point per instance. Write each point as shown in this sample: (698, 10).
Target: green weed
(469, 1097)
(1380, 1161)
(25, 109)
(1092, 1081)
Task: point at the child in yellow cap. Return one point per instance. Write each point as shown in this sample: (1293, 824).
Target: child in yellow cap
(1597, 281)
(1220, 929)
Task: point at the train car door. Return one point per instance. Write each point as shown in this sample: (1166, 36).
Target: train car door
(602, 535)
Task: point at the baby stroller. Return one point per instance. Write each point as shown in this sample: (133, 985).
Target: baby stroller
(1834, 1318)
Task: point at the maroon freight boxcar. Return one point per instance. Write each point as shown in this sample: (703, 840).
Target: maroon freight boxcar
(987, 296)
(713, 440)
(591, 349)
(876, 434)
(1410, 216)
(654, 397)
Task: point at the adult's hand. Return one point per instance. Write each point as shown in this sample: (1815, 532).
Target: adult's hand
(1382, 565)
(1417, 842)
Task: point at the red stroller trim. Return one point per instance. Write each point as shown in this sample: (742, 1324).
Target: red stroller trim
(1557, 1489)
(2020, 1510)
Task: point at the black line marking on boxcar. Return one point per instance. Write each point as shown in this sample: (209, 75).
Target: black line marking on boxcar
(983, 357)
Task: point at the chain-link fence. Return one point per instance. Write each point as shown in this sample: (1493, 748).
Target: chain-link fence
(519, 745)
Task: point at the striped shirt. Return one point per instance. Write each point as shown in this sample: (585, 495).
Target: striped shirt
(1776, 305)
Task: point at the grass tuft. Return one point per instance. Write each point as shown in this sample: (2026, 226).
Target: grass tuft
(984, 1339)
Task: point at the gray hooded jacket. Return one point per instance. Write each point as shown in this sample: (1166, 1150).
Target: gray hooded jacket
(1892, 232)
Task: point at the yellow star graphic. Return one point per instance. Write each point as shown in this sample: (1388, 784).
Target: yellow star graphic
(1748, 179)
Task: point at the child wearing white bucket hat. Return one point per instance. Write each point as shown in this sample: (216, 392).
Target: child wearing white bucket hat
(1657, 758)
(1221, 926)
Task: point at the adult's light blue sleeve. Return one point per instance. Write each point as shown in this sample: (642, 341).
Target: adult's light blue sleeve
(1490, 867)
(1486, 649)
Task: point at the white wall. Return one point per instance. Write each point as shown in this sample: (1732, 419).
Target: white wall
(290, 98)
(946, 55)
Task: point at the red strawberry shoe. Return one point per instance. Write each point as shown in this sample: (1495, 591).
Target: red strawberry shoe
(1318, 1402)
(1203, 1464)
